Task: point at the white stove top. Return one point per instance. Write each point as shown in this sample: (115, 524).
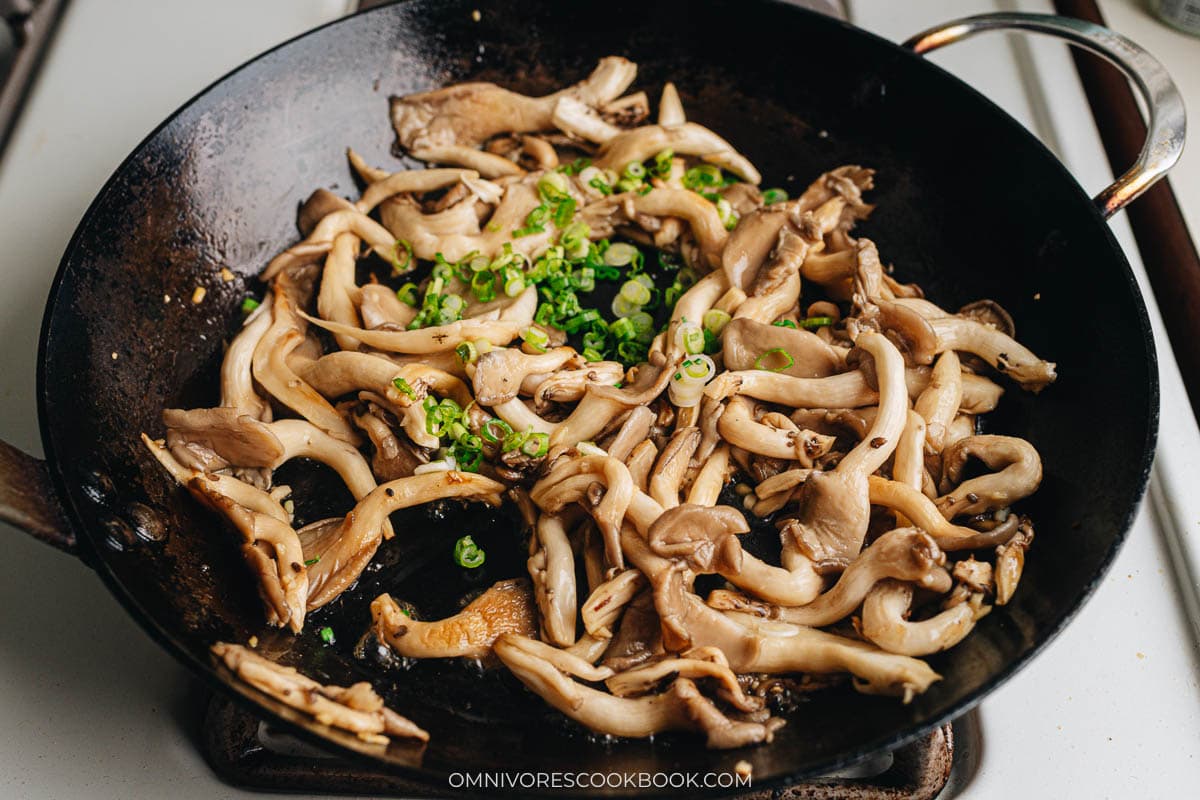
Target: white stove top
(92, 708)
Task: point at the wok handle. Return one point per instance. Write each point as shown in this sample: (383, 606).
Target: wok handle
(1168, 120)
(27, 499)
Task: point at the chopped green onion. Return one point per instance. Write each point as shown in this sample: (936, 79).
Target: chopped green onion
(622, 329)
(643, 326)
(536, 446)
(632, 352)
(812, 323)
(635, 292)
(327, 636)
(535, 338)
(514, 440)
(402, 263)
(494, 430)
(773, 196)
(563, 212)
(628, 185)
(634, 171)
(249, 304)
(600, 186)
(453, 302)
(729, 217)
(784, 323)
(691, 338)
(466, 352)
(622, 308)
(715, 320)
(514, 286)
(702, 175)
(774, 360)
(662, 163)
(468, 554)
(591, 355)
(620, 254)
(408, 294)
(405, 388)
(311, 561)
(483, 286)
(466, 458)
(553, 186)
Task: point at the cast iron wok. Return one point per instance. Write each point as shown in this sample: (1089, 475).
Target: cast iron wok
(969, 205)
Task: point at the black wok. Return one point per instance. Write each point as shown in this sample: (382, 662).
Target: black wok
(970, 205)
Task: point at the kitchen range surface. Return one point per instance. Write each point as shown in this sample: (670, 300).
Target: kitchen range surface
(93, 708)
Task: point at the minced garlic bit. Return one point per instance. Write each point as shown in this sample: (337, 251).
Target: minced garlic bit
(476, 16)
(166, 298)
(253, 641)
(198, 295)
(114, 356)
(289, 507)
(226, 275)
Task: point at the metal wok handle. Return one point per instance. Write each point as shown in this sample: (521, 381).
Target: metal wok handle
(1168, 120)
(27, 499)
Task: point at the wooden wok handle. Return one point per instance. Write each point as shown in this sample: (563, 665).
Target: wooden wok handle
(1167, 125)
(27, 499)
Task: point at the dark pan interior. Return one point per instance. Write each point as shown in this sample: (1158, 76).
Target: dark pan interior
(969, 205)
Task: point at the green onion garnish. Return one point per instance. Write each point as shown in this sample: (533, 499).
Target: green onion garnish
(514, 440)
(812, 323)
(466, 352)
(536, 446)
(634, 170)
(249, 304)
(535, 338)
(312, 561)
(402, 262)
(773, 196)
(729, 217)
(702, 175)
(327, 635)
(662, 163)
(620, 254)
(409, 294)
(468, 554)
(715, 320)
(600, 185)
(784, 323)
(494, 430)
(405, 388)
(774, 360)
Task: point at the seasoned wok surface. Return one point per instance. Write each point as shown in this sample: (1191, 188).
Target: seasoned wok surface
(969, 207)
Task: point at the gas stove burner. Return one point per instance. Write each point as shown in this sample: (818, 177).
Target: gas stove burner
(250, 754)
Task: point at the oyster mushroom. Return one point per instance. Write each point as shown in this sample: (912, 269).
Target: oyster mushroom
(938, 404)
(905, 554)
(356, 709)
(499, 373)
(685, 139)
(670, 107)
(744, 341)
(237, 370)
(666, 480)
(918, 508)
(468, 114)
(379, 308)
(834, 506)
(885, 622)
(1019, 475)
(701, 216)
(995, 347)
(681, 707)
(362, 529)
(551, 495)
(739, 428)
(605, 605)
(505, 608)
(439, 338)
(269, 544)
(551, 567)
